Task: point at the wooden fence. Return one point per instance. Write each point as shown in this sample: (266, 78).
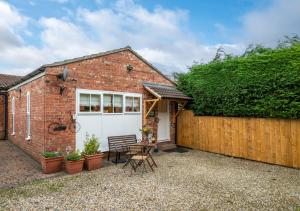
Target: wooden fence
(275, 141)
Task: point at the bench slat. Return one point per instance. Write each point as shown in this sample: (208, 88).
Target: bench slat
(119, 142)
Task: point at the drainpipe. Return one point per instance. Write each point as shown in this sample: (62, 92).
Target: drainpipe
(5, 117)
(3, 93)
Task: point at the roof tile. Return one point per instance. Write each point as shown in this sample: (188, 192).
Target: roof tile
(6, 80)
(164, 91)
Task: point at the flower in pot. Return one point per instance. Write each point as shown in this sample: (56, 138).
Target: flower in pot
(51, 160)
(146, 131)
(92, 155)
(74, 162)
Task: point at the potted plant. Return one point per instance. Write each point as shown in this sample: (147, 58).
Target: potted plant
(51, 160)
(74, 162)
(92, 155)
(146, 131)
(154, 141)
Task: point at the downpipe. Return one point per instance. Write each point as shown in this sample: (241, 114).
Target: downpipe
(5, 113)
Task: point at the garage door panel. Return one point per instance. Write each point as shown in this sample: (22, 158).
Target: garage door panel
(103, 126)
(89, 124)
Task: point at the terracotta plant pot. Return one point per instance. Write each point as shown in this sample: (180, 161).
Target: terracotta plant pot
(92, 162)
(73, 167)
(51, 165)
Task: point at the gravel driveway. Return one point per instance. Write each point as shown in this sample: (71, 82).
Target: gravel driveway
(184, 181)
(17, 167)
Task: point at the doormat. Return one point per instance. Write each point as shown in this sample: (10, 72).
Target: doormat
(177, 149)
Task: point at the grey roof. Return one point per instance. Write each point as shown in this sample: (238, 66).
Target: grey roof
(164, 91)
(7, 80)
(68, 61)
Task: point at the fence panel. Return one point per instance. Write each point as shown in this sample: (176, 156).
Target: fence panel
(275, 141)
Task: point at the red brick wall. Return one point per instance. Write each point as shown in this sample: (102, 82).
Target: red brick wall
(2, 118)
(36, 145)
(103, 73)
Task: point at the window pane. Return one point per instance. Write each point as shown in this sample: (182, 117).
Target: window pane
(13, 124)
(28, 103)
(13, 105)
(95, 103)
(107, 103)
(28, 126)
(118, 103)
(129, 103)
(136, 106)
(84, 102)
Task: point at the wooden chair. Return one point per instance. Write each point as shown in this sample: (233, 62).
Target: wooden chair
(138, 158)
(119, 144)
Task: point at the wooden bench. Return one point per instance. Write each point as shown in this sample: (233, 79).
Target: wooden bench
(119, 144)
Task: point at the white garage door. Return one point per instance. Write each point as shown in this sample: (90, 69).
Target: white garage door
(103, 114)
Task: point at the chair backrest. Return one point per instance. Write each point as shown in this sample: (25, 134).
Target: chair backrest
(115, 142)
(136, 149)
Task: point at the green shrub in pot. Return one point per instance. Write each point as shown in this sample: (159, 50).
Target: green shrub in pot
(73, 156)
(91, 145)
(74, 162)
(51, 160)
(93, 156)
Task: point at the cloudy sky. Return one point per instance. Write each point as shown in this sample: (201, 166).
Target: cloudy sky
(171, 34)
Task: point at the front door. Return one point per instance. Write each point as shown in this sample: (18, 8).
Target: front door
(163, 128)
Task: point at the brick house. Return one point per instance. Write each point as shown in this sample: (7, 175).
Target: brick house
(105, 94)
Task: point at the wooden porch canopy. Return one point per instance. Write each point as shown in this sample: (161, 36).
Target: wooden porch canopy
(163, 92)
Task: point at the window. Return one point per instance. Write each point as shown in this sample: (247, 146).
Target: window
(95, 103)
(133, 104)
(108, 103)
(112, 103)
(89, 103)
(136, 104)
(129, 104)
(118, 103)
(28, 132)
(13, 115)
(84, 103)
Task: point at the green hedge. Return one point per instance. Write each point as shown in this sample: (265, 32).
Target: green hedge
(261, 83)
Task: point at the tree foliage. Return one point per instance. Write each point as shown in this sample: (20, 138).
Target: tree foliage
(263, 82)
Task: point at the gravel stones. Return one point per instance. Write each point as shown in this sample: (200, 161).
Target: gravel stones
(183, 181)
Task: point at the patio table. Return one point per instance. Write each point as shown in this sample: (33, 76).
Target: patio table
(118, 158)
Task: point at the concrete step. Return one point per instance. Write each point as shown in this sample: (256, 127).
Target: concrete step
(166, 145)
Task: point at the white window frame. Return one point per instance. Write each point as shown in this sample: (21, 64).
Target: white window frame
(28, 117)
(133, 96)
(13, 115)
(89, 92)
(89, 112)
(101, 93)
(113, 102)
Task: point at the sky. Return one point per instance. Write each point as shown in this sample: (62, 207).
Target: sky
(170, 34)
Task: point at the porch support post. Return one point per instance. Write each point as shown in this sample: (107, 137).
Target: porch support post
(178, 112)
(146, 113)
(184, 104)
